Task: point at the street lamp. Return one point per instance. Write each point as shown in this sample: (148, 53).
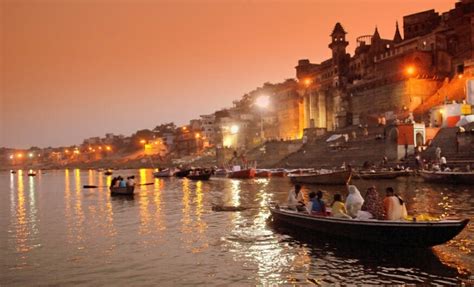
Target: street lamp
(263, 102)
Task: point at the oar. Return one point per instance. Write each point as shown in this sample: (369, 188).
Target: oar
(96, 186)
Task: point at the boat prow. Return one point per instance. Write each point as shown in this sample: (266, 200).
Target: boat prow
(400, 233)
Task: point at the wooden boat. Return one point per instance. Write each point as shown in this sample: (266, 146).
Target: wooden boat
(453, 177)
(163, 173)
(108, 172)
(182, 173)
(331, 178)
(263, 173)
(201, 176)
(122, 190)
(389, 174)
(279, 173)
(243, 174)
(13, 171)
(221, 172)
(31, 173)
(402, 233)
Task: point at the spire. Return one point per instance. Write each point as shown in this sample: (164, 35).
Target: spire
(376, 35)
(338, 30)
(398, 37)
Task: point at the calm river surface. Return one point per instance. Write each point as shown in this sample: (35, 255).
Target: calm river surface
(55, 232)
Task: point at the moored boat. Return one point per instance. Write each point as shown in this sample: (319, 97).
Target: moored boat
(330, 178)
(108, 172)
(221, 172)
(263, 173)
(279, 173)
(182, 173)
(32, 173)
(401, 233)
(122, 190)
(243, 174)
(164, 173)
(12, 171)
(201, 176)
(453, 177)
(388, 174)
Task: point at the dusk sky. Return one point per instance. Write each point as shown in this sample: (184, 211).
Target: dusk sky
(76, 69)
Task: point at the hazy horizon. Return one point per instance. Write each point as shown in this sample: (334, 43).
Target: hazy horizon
(77, 69)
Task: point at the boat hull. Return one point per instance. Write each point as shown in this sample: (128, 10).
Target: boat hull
(243, 174)
(380, 175)
(205, 176)
(334, 178)
(164, 173)
(400, 233)
(448, 177)
(122, 190)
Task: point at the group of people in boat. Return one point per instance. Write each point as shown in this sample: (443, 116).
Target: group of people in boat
(391, 207)
(119, 181)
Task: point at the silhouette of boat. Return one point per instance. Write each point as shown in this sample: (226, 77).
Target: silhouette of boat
(122, 190)
(330, 178)
(454, 177)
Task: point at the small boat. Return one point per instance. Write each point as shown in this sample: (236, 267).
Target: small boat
(330, 178)
(108, 172)
(12, 171)
(163, 173)
(279, 173)
(201, 176)
(453, 177)
(122, 190)
(221, 172)
(401, 233)
(32, 173)
(182, 173)
(263, 173)
(388, 174)
(243, 174)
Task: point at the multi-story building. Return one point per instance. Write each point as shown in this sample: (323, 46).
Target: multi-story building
(389, 77)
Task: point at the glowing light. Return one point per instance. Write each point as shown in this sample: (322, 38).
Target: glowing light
(263, 101)
(142, 141)
(234, 129)
(66, 151)
(20, 155)
(30, 154)
(460, 76)
(11, 156)
(410, 70)
(307, 82)
(184, 128)
(108, 148)
(100, 148)
(90, 148)
(198, 135)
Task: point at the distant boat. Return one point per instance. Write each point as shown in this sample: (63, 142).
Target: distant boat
(330, 178)
(201, 176)
(108, 172)
(221, 172)
(453, 177)
(279, 173)
(243, 174)
(263, 173)
(400, 233)
(182, 173)
(32, 173)
(13, 171)
(388, 174)
(122, 190)
(164, 173)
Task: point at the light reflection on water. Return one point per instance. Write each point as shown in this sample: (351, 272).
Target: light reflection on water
(57, 232)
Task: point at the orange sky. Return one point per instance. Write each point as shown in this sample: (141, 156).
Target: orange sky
(73, 69)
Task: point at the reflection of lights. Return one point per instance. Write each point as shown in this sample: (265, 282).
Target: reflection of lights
(263, 101)
(234, 129)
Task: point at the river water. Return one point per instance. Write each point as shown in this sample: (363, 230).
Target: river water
(55, 232)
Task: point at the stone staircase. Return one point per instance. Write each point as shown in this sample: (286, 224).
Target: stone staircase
(321, 154)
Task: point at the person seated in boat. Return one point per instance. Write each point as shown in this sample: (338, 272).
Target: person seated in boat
(354, 201)
(394, 205)
(318, 206)
(114, 182)
(131, 180)
(443, 163)
(373, 204)
(122, 182)
(295, 199)
(338, 209)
